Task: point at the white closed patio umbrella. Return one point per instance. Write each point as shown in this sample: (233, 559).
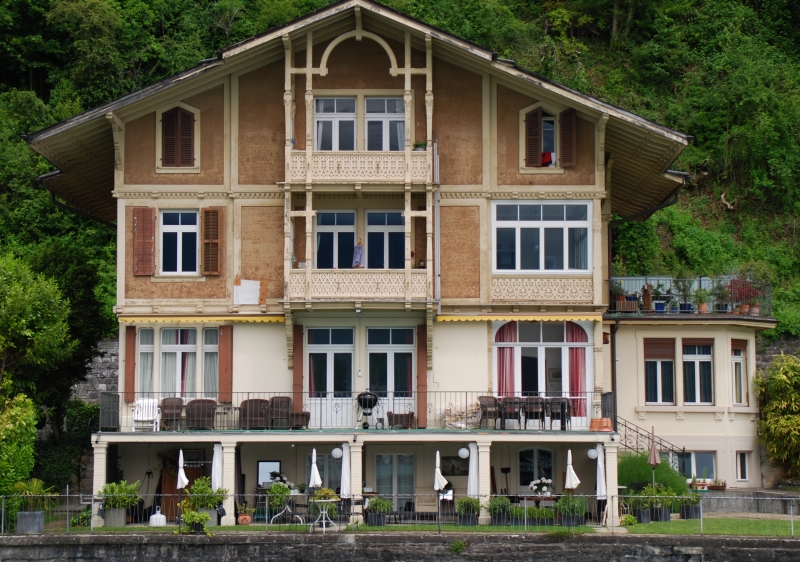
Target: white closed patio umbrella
(216, 467)
(472, 477)
(182, 480)
(601, 473)
(572, 481)
(344, 487)
(439, 484)
(315, 481)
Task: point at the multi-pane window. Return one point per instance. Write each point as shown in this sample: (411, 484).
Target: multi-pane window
(385, 124)
(659, 370)
(330, 362)
(330, 470)
(739, 373)
(179, 242)
(536, 237)
(335, 238)
(699, 464)
(386, 240)
(391, 361)
(534, 464)
(741, 466)
(698, 384)
(210, 362)
(144, 379)
(178, 362)
(335, 124)
(548, 140)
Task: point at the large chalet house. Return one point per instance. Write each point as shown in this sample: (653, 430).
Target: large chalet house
(358, 229)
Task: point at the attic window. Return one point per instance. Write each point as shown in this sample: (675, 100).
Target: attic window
(178, 140)
(547, 140)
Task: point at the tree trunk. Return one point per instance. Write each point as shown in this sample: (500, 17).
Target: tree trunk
(631, 10)
(615, 20)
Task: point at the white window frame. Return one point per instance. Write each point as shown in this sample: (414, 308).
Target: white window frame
(541, 225)
(145, 349)
(330, 349)
(386, 229)
(336, 118)
(742, 455)
(335, 229)
(396, 496)
(159, 141)
(525, 489)
(179, 229)
(694, 465)
(739, 360)
(555, 111)
(180, 350)
(204, 349)
(659, 382)
(384, 118)
(697, 359)
(390, 349)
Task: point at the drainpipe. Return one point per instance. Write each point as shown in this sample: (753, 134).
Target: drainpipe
(438, 253)
(614, 329)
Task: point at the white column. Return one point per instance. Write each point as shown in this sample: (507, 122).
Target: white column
(484, 479)
(612, 488)
(229, 481)
(99, 478)
(356, 480)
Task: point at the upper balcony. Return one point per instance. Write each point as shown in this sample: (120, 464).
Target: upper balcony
(358, 167)
(358, 284)
(716, 296)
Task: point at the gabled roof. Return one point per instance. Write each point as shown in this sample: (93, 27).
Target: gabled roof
(82, 147)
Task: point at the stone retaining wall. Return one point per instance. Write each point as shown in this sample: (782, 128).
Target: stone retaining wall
(396, 547)
(103, 375)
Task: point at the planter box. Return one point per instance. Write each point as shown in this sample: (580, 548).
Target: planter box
(690, 512)
(212, 516)
(571, 520)
(500, 519)
(376, 519)
(114, 517)
(601, 424)
(468, 520)
(642, 515)
(197, 529)
(659, 514)
(717, 488)
(30, 522)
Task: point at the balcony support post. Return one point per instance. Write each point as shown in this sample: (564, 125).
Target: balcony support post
(98, 479)
(287, 239)
(309, 214)
(229, 481)
(429, 241)
(484, 479)
(408, 220)
(612, 488)
(356, 480)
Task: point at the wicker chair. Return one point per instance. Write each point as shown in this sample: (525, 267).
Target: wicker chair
(201, 413)
(490, 407)
(254, 414)
(554, 405)
(279, 409)
(535, 408)
(171, 413)
(406, 421)
(511, 409)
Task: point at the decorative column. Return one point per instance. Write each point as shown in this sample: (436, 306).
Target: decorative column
(484, 479)
(599, 375)
(229, 481)
(356, 481)
(612, 488)
(98, 478)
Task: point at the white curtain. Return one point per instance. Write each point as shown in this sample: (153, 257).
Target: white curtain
(211, 374)
(146, 374)
(472, 478)
(190, 374)
(216, 467)
(344, 486)
(168, 360)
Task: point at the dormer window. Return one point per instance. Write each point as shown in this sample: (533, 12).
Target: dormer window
(178, 139)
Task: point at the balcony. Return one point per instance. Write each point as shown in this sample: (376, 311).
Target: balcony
(724, 295)
(358, 284)
(359, 167)
(435, 410)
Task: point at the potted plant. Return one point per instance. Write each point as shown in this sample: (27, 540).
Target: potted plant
(205, 500)
(37, 499)
(640, 505)
(245, 514)
(684, 288)
(499, 508)
(542, 486)
(660, 297)
(545, 516)
(315, 508)
(672, 306)
(572, 509)
(195, 520)
(690, 507)
(468, 508)
(718, 485)
(517, 516)
(721, 296)
(278, 495)
(117, 498)
(420, 145)
(302, 487)
(701, 299)
(376, 511)
(662, 501)
(618, 293)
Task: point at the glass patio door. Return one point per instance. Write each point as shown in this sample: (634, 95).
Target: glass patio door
(391, 367)
(330, 377)
(394, 478)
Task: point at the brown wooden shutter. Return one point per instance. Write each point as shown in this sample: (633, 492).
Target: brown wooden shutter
(697, 341)
(130, 364)
(144, 241)
(533, 138)
(185, 138)
(297, 368)
(659, 348)
(739, 344)
(169, 138)
(226, 364)
(211, 228)
(422, 376)
(567, 124)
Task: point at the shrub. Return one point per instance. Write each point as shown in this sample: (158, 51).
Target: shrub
(627, 520)
(321, 494)
(379, 506)
(634, 468)
(34, 494)
(82, 519)
(120, 494)
(569, 504)
(201, 495)
(498, 505)
(278, 493)
(466, 505)
(458, 547)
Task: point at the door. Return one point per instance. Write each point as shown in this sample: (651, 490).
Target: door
(390, 360)
(394, 478)
(330, 377)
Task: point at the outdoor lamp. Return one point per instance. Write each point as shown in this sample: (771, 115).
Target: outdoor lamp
(592, 453)
(336, 453)
(463, 452)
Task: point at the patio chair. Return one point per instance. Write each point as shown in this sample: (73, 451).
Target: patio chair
(511, 408)
(405, 421)
(200, 413)
(489, 410)
(534, 409)
(171, 413)
(555, 405)
(146, 414)
(279, 409)
(254, 414)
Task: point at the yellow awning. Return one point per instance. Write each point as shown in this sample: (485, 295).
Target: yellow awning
(199, 319)
(553, 317)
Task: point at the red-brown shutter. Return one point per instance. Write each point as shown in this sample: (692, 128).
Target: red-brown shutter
(567, 122)
(130, 364)
(297, 368)
(211, 241)
(739, 344)
(169, 138)
(225, 364)
(185, 138)
(659, 348)
(144, 240)
(697, 341)
(422, 376)
(533, 138)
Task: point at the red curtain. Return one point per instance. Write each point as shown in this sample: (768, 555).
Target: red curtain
(409, 378)
(311, 376)
(577, 368)
(505, 359)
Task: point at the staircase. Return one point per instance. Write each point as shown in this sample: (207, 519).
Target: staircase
(637, 439)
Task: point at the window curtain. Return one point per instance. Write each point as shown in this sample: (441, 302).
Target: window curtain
(146, 374)
(189, 375)
(211, 375)
(168, 360)
(577, 368)
(505, 359)
(407, 394)
(311, 376)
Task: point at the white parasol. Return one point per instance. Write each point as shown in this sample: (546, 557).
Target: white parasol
(182, 480)
(315, 481)
(344, 487)
(439, 481)
(216, 467)
(601, 473)
(472, 476)
(572, 481)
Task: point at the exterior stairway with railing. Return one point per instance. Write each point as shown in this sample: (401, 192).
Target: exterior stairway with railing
(637, 439)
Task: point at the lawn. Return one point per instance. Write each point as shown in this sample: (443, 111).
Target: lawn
(718, 526)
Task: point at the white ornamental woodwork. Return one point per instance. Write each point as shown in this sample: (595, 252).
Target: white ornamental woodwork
(358, 167)
(361, 284)
(564, 290)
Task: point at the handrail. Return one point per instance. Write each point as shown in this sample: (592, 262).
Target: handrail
(635, 438)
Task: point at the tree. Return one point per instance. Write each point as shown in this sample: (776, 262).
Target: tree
(17, 438)
(779, 426)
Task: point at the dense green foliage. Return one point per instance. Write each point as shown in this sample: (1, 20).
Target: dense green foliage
(779, 426)
(17, 437)
(634, 468)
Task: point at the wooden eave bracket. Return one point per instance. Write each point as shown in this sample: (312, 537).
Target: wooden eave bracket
(117, 130)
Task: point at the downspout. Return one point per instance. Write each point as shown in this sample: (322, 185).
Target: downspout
(437, 252)
(614, 329)
(50, 175)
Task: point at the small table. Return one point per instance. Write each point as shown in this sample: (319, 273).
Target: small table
(287, 509)
(323, 517)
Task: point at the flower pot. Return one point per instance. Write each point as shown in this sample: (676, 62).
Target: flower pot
(661, 307)
(244, 519)
(468, 520)
(711, 487)
(723, 309)
(571, 520)
(30, 522)
(631, 298)
(376, 519)
(114, 517)
(659, 514)
(690, 512)
(212, 516)
(744, 309)
(642, 515)
(755, 310)
(686, 307)
(673, 310)
(500, 519)
(702, 308)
